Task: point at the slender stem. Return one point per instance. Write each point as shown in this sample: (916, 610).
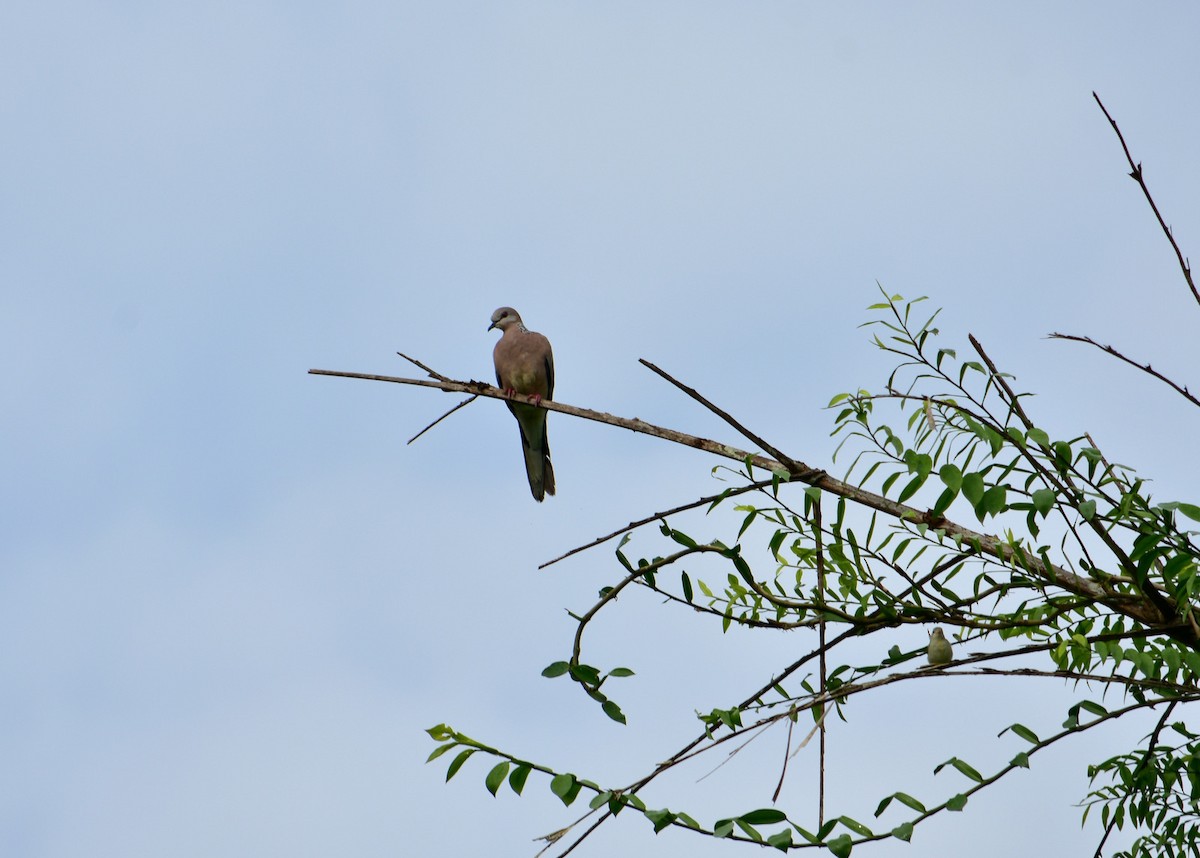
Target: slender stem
(1136, 174)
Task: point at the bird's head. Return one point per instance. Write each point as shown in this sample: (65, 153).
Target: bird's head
(505, 318)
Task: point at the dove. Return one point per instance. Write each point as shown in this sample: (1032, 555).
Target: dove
(525, 365)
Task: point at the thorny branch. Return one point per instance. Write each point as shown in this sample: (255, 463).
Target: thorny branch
(1135, 172)
(1181, 389)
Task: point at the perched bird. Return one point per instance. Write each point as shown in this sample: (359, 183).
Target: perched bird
(940, 651)
(525, 364)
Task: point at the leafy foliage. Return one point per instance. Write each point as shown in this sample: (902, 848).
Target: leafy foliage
(1083, 570)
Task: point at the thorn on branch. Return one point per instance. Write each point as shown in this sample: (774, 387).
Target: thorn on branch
(1136, 175)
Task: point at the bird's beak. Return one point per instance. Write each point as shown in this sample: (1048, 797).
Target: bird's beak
(492, 325)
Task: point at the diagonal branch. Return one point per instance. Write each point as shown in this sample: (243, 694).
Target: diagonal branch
(724, 415)
(1136, 174)
(1138, 609)
(1157, 599)
(641, 522)
(462, 404)
(1146, 368)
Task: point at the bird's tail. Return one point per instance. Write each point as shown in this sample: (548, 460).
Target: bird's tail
(538, 468)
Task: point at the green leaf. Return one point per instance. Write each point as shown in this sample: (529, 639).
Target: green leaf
(1043, 500)
(781, 840)
(903, 831)
(457, 763)
(973, 487)
(1025, 733)
(1021, 759)
(951, 476)
(911, 488)
(584, 673)
(994, 500)
(687, 587)
(957, 803)
(1190, 510)
(682, 538)
(440, 733)
(943, 502)
(566, 787)
(634, 802)
(561, 784)
(602, 798)
(765, 816)
(660, 818)
(967, 770)
(516, 780)
(438, 751)
(909, 801)
(613, 711)
(856, 826)
(840, 845)
(918, 463)
(748, 829)
(496, 777)
(1039, 437)
(556, 669)
(1088, 510)
(620, 672)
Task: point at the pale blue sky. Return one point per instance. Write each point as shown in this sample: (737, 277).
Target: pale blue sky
(231, 598)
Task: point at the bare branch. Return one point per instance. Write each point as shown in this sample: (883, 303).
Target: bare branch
(1136, 174)
(724, 415)
(466, 401)
(1146, 368)
(418, 364)
(633, 525)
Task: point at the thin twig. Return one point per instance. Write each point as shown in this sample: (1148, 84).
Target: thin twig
(1146, 368)
(417, 363)
(1136, 174)
(633, 525)
(724, 415)
(737, 750)
(466, 401)
(815, 727)
(787, 755)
